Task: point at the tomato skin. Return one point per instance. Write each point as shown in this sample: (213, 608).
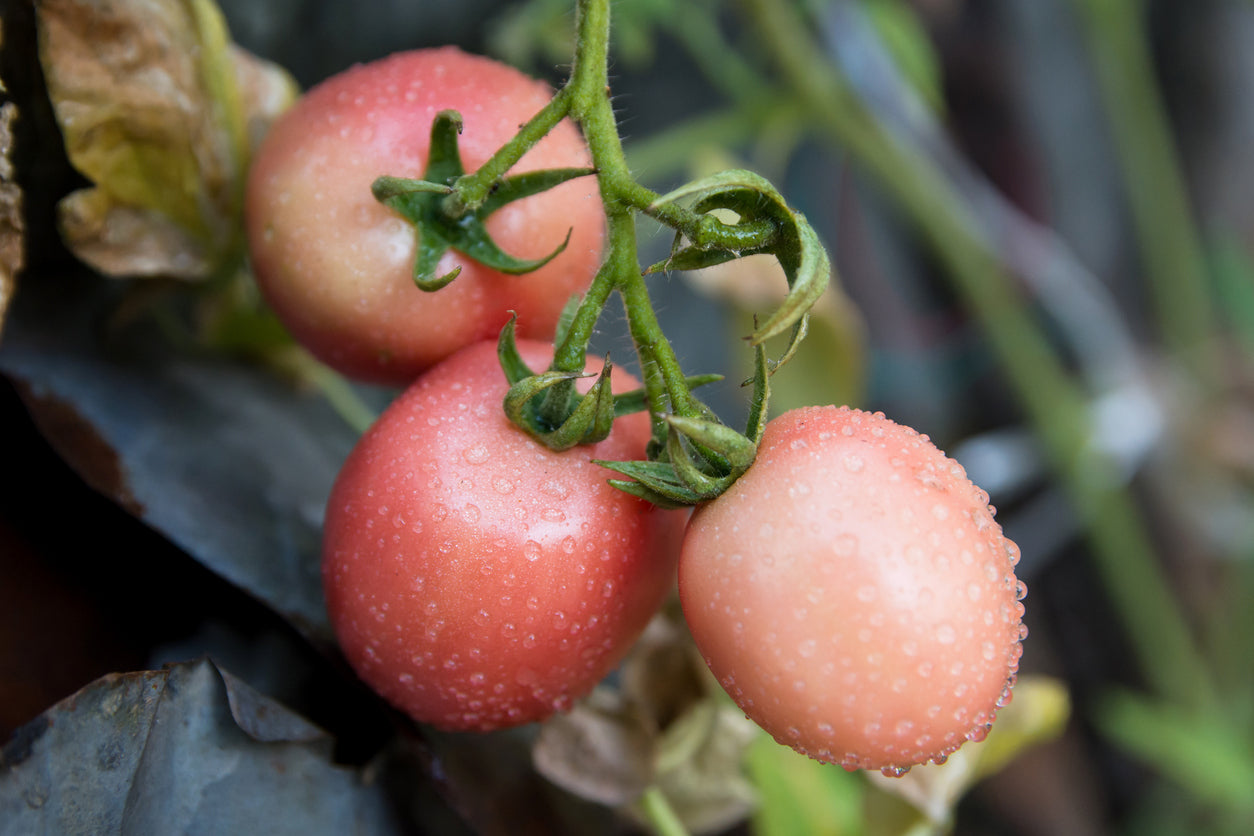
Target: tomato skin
(337, 266)
(853, 593)
(476, 579)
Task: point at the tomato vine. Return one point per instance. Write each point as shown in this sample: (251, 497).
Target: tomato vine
(693, 457)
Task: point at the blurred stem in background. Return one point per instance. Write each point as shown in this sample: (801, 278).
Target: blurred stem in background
(1171, 250)
(1053, 402)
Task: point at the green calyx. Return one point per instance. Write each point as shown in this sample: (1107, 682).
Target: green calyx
(441, 218)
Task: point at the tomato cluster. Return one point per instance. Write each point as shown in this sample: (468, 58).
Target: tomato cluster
(851, 591)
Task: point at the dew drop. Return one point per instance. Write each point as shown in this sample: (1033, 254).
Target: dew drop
(894, 771)
(1021, 590)
(471, 514)
(531, 550)
(853, 463)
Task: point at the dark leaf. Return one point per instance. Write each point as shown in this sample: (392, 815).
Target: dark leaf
(185, 749)
(225, 459)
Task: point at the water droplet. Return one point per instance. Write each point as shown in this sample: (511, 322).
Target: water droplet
(946, 634)
(555, 489)
(894, 771)
(555, 515)
(846, 545)
(807, 648)
(477, 454)
(1012, 552)
(532, 550)
(471, 514)
(853, 463)
(1021, 590)
(940, 511)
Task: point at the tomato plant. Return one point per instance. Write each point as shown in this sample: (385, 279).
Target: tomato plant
(853, 594)
(476, 579)
(336, 265)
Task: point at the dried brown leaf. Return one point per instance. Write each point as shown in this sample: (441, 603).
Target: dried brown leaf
(599, 750)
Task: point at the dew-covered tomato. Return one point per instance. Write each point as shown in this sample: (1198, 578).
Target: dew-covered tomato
(476, 579)
(336, 265)
(853, 593)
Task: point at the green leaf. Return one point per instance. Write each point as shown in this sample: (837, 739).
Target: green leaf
(167, 161)
(1199, 752)
(799, 795)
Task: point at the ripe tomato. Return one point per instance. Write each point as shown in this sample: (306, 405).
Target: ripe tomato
(476, 579)
(853, 593)
(336, 265)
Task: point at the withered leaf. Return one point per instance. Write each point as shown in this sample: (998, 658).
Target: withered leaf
(12, 244)
(599, 751)
(160, 111)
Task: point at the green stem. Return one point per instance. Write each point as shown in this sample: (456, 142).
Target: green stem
(1053, 403)
(338, 391)
(473, 189)
(661, 814)
(1171, 250)
(590, 106)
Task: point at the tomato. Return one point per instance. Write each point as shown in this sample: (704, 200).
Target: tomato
(336, 265)
(476, 579)
(853, 594)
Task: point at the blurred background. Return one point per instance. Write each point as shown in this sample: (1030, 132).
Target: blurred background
(1041, 218)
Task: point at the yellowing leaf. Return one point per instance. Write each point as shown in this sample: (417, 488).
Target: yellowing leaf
(159, 110)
